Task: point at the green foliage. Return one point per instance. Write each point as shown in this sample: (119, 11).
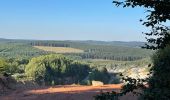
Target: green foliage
(99, 75)
(15, 65)
(78, 70)
(112, 64)
(126, 51)
(159, 82)
(108, 52)
(18, 50)
(46, 68)
(54, 69)
(3, 65)
(159, 88)
(9, 66)
(20, 77)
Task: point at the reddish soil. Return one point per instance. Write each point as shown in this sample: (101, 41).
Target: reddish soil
(67, 92)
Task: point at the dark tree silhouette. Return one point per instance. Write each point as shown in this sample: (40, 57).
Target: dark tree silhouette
(158, 39)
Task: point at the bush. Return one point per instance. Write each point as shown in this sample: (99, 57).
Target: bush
(3, 65)
(56, 69)
(77, 70)
(100, 75)
(13, 66)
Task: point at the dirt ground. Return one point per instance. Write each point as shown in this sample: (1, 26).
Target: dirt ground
(66, 92)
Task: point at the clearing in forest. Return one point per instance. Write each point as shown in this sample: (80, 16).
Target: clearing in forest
(60, 49)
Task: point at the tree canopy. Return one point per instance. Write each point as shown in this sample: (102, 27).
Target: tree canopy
(3, 64)
(56, 69)
(159, 38)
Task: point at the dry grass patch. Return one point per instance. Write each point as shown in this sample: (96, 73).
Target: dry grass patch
(60, 49)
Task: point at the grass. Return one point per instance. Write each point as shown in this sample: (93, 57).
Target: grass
(59, 49)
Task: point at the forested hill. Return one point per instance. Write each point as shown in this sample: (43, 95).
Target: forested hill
(90, 42)
(113, 50)
(115, 43)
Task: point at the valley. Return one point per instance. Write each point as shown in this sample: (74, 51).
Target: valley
(39, 64)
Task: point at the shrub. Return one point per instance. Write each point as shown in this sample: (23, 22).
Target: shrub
(100, 75)
(56, 69)
(3, 65)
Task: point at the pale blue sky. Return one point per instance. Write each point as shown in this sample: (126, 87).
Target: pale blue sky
(69, 20)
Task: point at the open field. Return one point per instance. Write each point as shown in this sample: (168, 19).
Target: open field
(67, 92)
(59, 49)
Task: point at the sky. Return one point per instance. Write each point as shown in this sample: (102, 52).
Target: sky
(70, 20)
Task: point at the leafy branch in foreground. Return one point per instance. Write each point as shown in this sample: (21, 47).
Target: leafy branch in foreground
(158, 13)
(159, 39)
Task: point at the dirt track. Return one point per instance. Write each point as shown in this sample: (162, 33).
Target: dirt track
(68, 92)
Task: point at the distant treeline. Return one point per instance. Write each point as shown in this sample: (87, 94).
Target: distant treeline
(105, 56)
(50, 44)
(24, 48)
(19, 50)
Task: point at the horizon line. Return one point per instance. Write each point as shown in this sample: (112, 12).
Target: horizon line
(69, 40)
